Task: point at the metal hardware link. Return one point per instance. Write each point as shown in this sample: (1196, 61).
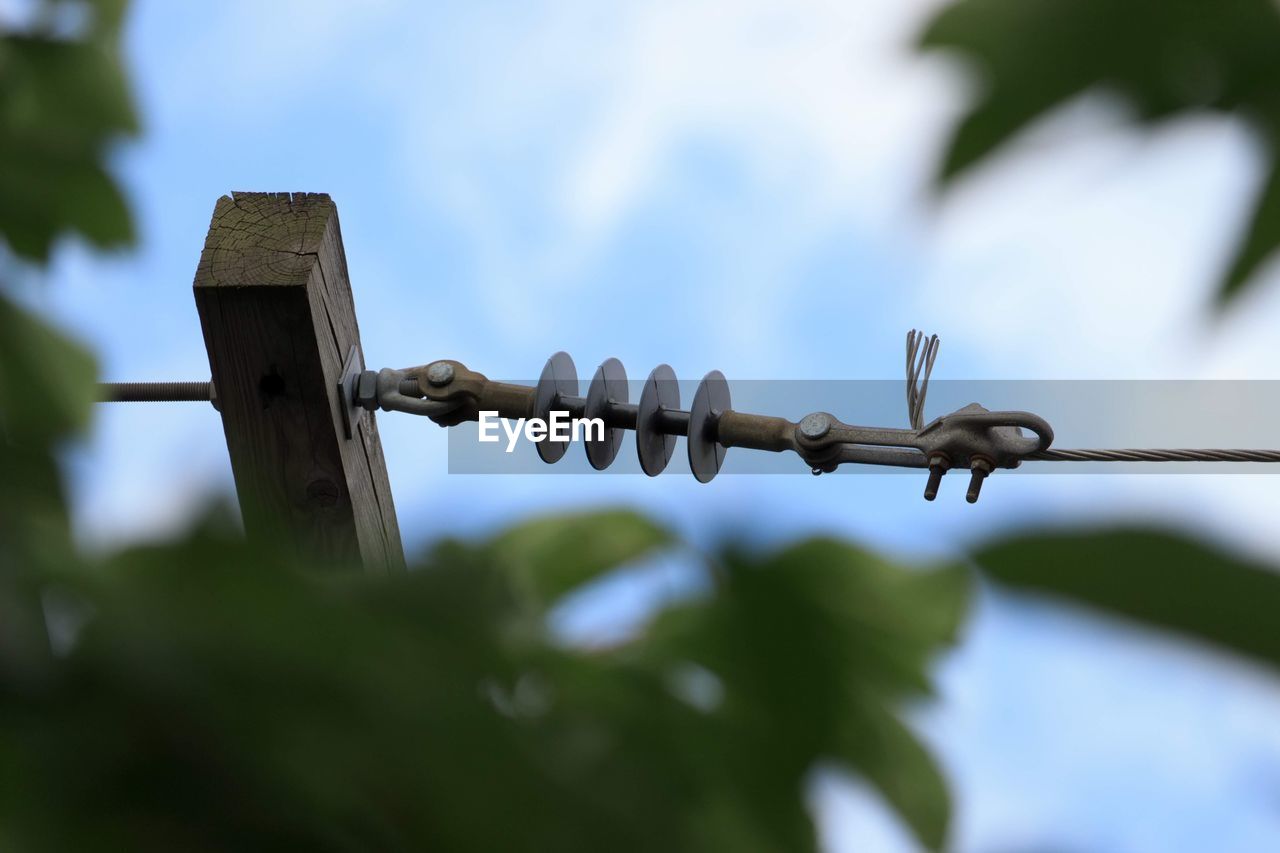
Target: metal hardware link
(972, 437)
(398, 391)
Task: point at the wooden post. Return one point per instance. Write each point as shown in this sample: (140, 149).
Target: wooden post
(279, 320)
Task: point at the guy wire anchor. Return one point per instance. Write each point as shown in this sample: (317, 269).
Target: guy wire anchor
(449, 393)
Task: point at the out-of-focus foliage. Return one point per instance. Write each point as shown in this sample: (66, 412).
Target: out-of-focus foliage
(207, 694)
(46, 391)
(548, 558)
(1162, 57)
(1158, 578)
(812, 647)
(64, 100)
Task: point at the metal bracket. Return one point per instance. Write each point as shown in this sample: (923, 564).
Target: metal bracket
(348, 386)
(390, 390)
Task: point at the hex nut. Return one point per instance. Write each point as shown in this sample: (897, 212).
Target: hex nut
(366, 390)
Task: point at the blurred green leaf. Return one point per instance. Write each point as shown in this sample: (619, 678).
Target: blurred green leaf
(815, 648)
(64, 103)
(47, 381)
(208, 676)
(553, 555)
(1160, 579)
(892, 759)
(1161, 57)
(64, 100)
(1261, 237)
(46, 394)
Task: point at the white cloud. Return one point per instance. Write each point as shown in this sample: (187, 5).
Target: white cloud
(1088, 248)
(545, 154)
(248, 57)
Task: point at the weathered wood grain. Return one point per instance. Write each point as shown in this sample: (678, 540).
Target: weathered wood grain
(278, 318)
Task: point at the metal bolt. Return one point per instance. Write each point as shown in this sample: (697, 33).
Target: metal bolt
(938, 465)
(440, 373)
(981, 468)
(815, 426)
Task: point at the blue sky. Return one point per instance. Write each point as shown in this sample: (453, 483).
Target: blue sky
(740, 186)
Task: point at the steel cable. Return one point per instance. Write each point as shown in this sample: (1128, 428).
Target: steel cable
(921, 353)
(1155, 455)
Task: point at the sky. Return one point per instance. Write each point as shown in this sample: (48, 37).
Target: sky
(741, 186)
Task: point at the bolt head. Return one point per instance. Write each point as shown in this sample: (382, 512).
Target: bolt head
(816, 425)
(440, 373)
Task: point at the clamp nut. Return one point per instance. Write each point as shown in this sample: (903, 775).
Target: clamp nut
(980, 467)
(938, 465)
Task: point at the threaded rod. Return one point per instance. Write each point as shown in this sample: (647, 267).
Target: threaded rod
(155, 392)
